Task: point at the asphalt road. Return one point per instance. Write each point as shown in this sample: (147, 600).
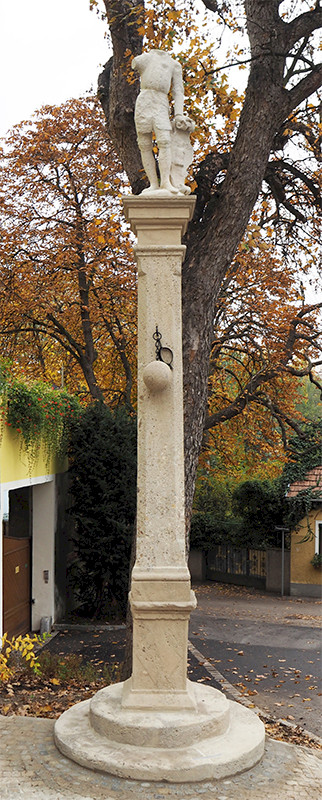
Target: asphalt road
(266, 647)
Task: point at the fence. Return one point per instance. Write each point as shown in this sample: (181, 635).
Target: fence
(243, 566)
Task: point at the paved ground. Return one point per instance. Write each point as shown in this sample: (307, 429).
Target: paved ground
(31, 767)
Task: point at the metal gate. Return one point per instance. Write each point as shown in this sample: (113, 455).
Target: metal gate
(243, 566)
(16, 585)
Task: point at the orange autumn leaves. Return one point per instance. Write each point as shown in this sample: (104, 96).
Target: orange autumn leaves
(67, 275)
(265, 340)
(68, 290)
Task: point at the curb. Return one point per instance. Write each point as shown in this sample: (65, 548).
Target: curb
(233, 693)
(70, 626)
(39, 647)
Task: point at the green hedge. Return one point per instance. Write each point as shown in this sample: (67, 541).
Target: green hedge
(103, 486)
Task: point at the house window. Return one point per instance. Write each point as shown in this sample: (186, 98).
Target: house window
(318, 537)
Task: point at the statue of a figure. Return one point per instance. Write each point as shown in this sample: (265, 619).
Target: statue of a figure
(159, 72)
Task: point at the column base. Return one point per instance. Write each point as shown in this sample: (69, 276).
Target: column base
(218, 739)
(154, 700)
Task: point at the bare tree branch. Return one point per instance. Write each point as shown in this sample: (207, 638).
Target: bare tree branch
(307, 86)
(303, 26)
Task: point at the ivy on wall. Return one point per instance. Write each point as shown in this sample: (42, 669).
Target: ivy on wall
(38, 413)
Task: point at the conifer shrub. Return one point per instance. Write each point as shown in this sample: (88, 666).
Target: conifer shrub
(103, 486)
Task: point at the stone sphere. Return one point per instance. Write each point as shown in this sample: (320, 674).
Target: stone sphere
(157, 376)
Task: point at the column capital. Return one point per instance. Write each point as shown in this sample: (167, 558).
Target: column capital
(158, 220)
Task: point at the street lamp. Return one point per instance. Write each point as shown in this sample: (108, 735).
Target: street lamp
(283, 531)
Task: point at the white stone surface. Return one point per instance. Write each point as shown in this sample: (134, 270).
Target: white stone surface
(158, 725)
(221, 739)
(159, 73)
(156, 376)
(181, 153)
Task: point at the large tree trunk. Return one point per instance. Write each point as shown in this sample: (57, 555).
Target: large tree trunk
(212, 238)
(116, 94)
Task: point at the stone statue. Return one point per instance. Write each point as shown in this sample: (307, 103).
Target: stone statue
(159, 72)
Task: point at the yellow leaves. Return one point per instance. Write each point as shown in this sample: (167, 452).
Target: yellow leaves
(5, 671)
(20, 644)
(173, 16)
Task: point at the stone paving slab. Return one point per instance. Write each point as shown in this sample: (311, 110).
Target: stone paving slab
(32, 768)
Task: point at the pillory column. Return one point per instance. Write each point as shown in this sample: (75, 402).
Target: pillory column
(161, 598)
(157, 725)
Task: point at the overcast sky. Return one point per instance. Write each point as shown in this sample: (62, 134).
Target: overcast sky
(50, 50)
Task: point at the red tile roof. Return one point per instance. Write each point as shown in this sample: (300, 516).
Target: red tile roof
(312, 480)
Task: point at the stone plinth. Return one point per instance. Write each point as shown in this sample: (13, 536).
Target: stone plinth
(217, 739)
(158, 725)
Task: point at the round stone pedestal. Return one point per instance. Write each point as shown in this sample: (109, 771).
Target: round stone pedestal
(218, 739)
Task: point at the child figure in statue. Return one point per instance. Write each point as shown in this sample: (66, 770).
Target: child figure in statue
(159, 72)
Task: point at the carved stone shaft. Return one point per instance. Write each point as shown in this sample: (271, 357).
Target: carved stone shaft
(161, 597)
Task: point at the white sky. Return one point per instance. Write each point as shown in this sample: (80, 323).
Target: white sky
(50, 50)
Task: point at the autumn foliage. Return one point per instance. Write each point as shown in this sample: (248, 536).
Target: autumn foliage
(67, 275)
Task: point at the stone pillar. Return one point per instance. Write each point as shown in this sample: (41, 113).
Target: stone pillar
(161, 598)
(158, 725)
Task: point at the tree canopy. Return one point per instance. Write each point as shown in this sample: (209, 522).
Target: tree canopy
(67, 275)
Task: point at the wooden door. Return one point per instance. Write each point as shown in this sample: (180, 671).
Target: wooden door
(16, 585)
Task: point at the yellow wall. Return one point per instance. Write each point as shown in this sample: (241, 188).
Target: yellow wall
(302, 570)
(16, 464)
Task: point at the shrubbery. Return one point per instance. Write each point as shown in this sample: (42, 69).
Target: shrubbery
(103, 487)
(19, 651)
(248, 514)
(243, 517)
(38, 413)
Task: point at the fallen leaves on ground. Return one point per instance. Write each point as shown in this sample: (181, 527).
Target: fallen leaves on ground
(293, 734)
(226, 589)
(312, 617)
(35, 696)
